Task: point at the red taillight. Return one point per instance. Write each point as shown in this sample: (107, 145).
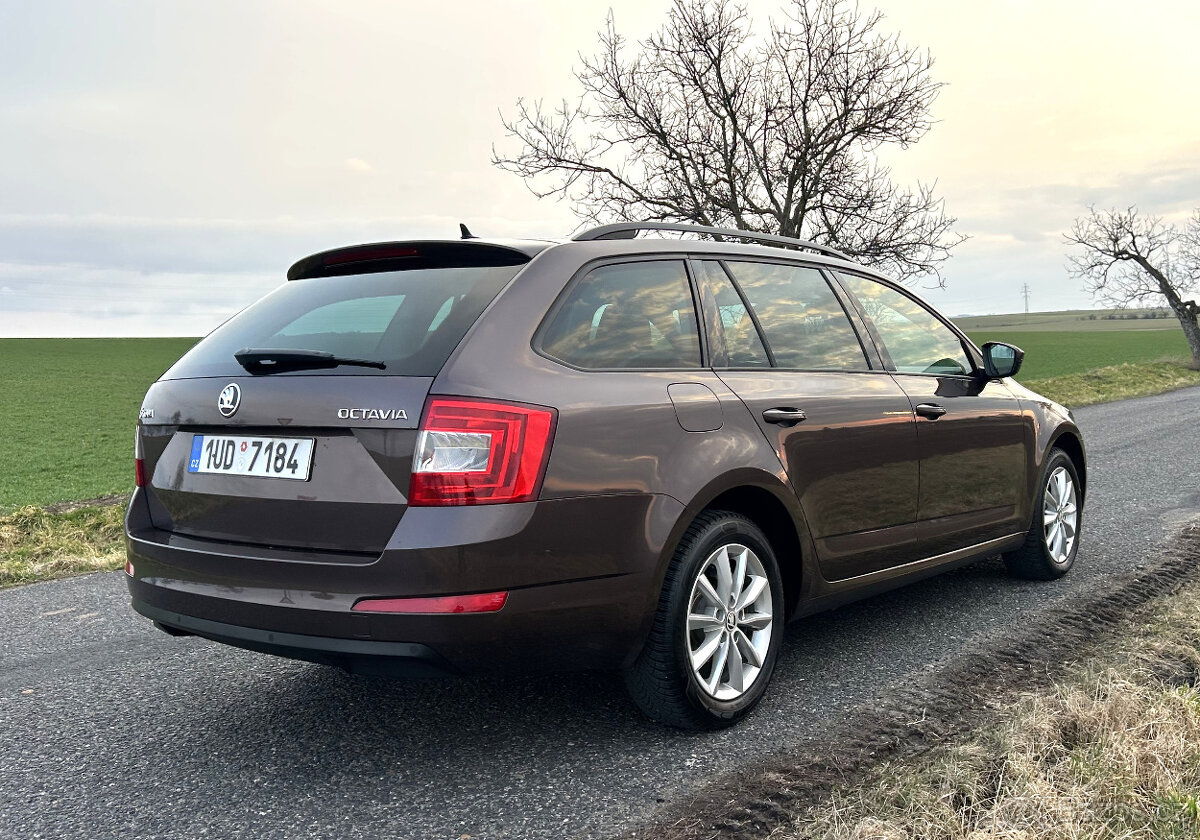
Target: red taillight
(477, 452)
(139, 465)
(482, 603)
(129, 567)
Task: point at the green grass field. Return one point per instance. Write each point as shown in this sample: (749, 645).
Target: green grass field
(70, 407)
(1063, 353)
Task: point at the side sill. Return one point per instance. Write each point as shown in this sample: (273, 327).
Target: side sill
(835, 594)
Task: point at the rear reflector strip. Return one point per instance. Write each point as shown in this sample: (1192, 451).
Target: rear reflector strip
(483, 603)
(139, 472)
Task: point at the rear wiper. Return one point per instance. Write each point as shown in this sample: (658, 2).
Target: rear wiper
(257, 360)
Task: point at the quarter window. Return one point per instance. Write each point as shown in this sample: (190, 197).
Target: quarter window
(743, 347)
(629, 315)
(916, 339)
(804, 323)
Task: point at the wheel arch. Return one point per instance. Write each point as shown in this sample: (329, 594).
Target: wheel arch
(768, 513)
(1071, 442)
(769, 503)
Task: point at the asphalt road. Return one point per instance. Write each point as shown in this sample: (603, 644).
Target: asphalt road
(109, 728)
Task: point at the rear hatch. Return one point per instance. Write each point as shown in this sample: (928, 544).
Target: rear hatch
(307, 441)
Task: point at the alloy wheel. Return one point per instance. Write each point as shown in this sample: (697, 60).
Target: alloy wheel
(729, 621)
(1060, 515)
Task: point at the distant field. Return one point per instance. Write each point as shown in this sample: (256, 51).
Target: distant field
(1077, 320)
(70, 406)
(1060, 353)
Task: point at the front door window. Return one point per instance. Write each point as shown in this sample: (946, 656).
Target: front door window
(916, 340)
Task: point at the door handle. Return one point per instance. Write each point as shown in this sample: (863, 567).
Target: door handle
(931, 410)
(784, 416)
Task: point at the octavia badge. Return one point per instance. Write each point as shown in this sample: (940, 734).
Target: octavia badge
(229, 400)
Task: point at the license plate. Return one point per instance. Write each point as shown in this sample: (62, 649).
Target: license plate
(265, 457)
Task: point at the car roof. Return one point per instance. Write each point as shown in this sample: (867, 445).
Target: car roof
(476, 251)
(701, 247)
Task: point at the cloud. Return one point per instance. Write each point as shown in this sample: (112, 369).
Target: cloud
(1017, 230)
(127, 275)
(42, 300)
(1167, 188)
(218, 246)
(358, 165)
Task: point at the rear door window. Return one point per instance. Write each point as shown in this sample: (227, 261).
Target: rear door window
(803, 321)
(409, 320)
(627, 315)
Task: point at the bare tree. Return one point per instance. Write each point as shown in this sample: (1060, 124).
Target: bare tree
(1126, 258)
(706, 124)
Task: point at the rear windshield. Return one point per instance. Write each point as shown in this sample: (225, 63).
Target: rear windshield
(409, 320)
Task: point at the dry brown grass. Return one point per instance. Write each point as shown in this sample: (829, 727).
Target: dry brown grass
(1113, 751)
(38, 544)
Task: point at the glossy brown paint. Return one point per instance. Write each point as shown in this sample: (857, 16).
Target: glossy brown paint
(636, 456)
(355, 496)
(852, 462)
(973, 461)
(585, 592)
(1051, 426)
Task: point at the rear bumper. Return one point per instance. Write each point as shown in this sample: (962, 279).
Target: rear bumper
(582, 577)
(359, 656)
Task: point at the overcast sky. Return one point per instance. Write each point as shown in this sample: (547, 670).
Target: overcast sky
(163, 163)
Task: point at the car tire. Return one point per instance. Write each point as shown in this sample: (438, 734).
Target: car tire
(1053, 539)
(712, 647)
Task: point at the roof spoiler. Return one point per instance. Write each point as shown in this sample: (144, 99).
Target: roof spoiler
(406, 256)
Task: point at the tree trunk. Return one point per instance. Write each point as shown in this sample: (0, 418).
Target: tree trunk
(1187, 319)
(1185, 310)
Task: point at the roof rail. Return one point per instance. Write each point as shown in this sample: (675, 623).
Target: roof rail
(628, 230)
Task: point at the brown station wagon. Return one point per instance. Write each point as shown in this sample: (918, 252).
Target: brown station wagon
(622, 452)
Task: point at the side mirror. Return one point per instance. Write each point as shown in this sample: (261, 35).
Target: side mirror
(1001, 360)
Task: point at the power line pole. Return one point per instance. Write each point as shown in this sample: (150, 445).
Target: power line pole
(1025, 294)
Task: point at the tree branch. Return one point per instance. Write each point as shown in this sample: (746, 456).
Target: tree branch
(701, 123)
